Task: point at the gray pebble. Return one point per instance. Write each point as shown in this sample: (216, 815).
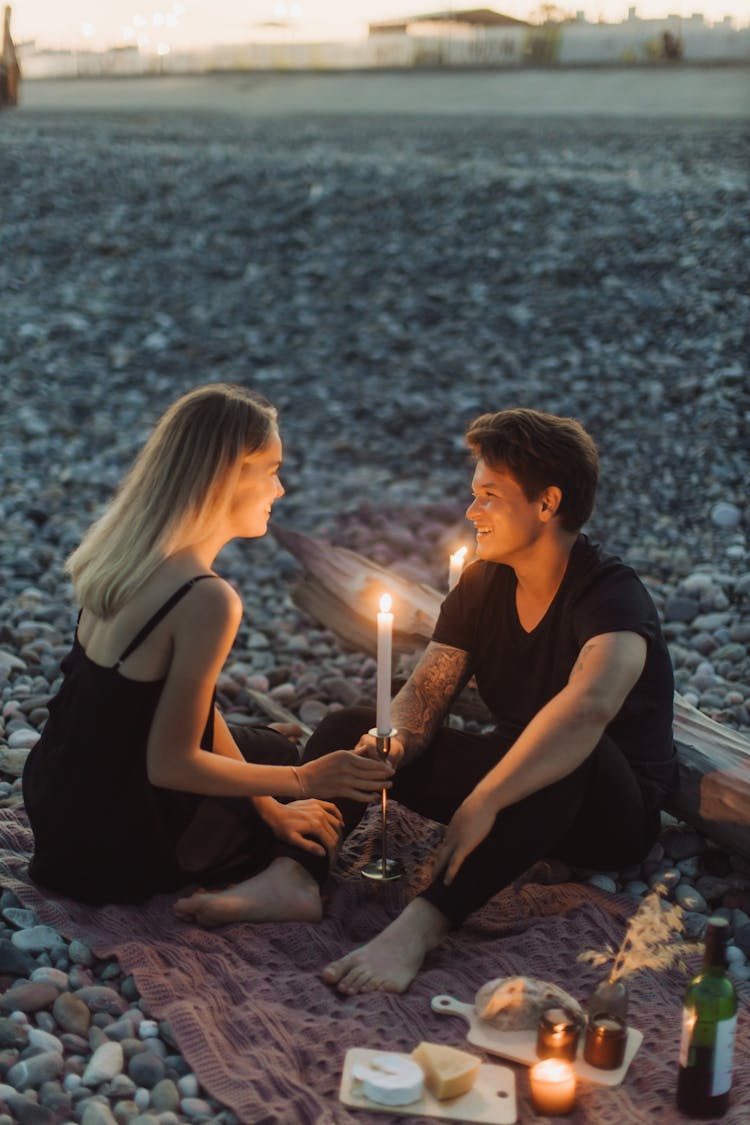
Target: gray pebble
(712, 887)
(165, 1096)
(19, 917)
(636, 888)
(13, 1034)
(665, 879)
(80, 953)
(53, 976)
(121, 1029)
(742, 938)
(603, 882)
(313, 711)
(96, 1113)
(13, 961)
(695, 925)
(125, 1111)
(36, 939)
(146, 1069)
(690, 868)
(188, 1086)
(142, 1097)
(195, 1107)
(105, 1063)
(44, 1040)
(725, 515)
(101, 998)
(690, 899)
(33, 1071)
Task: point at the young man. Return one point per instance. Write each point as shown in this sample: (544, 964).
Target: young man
(565, 645)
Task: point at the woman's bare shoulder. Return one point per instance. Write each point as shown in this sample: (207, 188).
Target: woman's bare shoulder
(214, 598)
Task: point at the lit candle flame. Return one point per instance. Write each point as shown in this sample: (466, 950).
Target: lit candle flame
(385, 603)
(459, 555)
(553, 1070)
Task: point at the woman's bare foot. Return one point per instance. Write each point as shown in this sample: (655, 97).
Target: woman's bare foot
(284, 892)
(390, 962)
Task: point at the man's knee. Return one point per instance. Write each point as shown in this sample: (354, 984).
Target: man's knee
(339, 730)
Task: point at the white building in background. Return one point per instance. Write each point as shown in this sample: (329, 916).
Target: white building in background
(478, 37)
(642, 40)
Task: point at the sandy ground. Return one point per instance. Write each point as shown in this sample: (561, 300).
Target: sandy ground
(689, 93)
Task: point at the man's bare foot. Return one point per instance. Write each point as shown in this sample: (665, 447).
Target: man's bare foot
(284, 892)
(390, 962)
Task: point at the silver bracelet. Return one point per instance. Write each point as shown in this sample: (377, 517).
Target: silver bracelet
(296, 773)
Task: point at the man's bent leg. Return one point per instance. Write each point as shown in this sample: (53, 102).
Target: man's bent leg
(618, 822)
(596, 816)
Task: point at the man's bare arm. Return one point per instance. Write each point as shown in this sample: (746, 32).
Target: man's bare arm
(424, 700)
(554, 743)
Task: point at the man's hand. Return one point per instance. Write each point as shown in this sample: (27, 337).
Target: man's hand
(314, 826)
(469, 825)
(345, 773)
(368, 746)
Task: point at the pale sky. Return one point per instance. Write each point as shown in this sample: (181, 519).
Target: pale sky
(101, 23)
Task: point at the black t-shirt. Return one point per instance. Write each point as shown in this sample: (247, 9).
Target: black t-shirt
(517, 672)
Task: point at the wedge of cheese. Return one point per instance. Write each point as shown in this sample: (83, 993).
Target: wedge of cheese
(448, 1072)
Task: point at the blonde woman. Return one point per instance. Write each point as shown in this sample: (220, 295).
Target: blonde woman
(137, 785)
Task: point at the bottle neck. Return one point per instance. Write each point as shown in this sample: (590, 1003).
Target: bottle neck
(715, 957)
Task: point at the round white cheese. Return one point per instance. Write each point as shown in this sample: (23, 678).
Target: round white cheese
(390, 1079)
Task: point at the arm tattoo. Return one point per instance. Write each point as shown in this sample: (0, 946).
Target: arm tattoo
(421, 705)
(582, 658)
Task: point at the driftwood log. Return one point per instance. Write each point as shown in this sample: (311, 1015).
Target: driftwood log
(340, 589)
(10, 71)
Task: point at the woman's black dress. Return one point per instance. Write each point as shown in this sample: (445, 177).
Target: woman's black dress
(102, 831)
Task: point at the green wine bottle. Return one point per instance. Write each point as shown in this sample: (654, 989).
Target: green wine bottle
(709, 1019)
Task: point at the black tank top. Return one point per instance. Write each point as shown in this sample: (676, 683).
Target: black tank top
(102, 831)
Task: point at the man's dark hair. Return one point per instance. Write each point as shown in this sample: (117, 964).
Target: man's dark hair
(540, 450)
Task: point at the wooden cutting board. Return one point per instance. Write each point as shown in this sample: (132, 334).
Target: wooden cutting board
(491, 1100)
(520, 1046)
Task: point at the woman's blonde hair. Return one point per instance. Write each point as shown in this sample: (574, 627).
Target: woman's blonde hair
(175, 493)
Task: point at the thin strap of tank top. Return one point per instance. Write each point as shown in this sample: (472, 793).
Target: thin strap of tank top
(153, 621)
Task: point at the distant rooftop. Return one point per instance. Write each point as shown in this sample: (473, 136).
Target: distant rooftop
(476, 17)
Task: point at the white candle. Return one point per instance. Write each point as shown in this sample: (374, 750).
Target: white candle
(553, 1087)
(385, 637)
(457, 565)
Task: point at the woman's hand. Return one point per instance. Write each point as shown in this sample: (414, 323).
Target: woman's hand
(470, 824)
(314, 826)
(345, 773)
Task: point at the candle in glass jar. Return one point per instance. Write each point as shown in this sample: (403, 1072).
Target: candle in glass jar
(553, 1087)
(456, 567)
(557, 1035)
(604, 1046)
(385, 640)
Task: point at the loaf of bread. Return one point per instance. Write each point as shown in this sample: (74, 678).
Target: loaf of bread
(516, 1003)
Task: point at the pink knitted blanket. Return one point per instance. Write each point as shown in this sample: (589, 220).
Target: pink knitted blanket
(268, 1038)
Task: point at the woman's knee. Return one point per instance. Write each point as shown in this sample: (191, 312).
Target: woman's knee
(339, 730)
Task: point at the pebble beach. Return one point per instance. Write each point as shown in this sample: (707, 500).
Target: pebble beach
(382, 279)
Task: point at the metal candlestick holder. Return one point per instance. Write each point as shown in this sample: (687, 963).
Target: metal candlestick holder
(383, 869)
